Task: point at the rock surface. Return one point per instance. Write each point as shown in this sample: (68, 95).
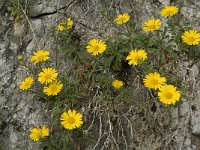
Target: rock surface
(20, 111)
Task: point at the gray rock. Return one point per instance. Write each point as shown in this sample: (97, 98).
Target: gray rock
(37, 8)
(19, 28)
(2, 2)
(193, 72)
(195, 123)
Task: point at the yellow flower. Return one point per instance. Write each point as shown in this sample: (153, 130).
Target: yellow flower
(20, 57)
(47, 75)
(26, 84)
(136, 56)
(44, 132)
(35, 134)
(61, 27)
(169, 11)
(191, 37)
(40, 56)
(71, 120)
(69, 23)
(53, 88)
(117, 84)
(152, 25)
(122, 18)
(96, 47)
(154, 81)
(168, 94)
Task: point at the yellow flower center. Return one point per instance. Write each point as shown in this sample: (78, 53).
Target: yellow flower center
(152, 26)
(191, 39)
(168, 95)
(48, 76)
(122, 18)
(137, 57)
(71, 120)
(54, 88)
(96, 48)
(40, 57)
(169, 12)
(154, 82)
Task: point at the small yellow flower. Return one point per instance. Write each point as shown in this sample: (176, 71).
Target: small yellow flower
(47, 75)
(71, 120)
(69, 23)
(53, 88)
(117, 84)
(152, 25)
(122, 18)
(38, 133)
(169, 11)
(44, 132)
(191, 37)
(35, 134)
(136, 56)
(26, 83)
(20, 57)
(96, 47)
(61, 27)
(169, 95)
(154, 80)
(39, 56)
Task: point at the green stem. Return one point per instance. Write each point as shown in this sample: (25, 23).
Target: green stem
(162, 55)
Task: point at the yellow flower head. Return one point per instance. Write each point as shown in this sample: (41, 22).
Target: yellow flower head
(35, 134)
(154, 81)
(117, 84)
(61, 27)
(40, 56)
(71, 120)
(53, 88)
(26, 84)
(44, 132)
(191, 37)
(122, 18)
(136, 56)
(152, 25)
(96, 47)
(168, 94)
(69, 23)
(169, 11)
(47, 75)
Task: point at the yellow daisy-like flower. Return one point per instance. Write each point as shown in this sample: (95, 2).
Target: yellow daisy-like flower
(69, 23)
(39, 56)
(44, 132)
(154, 80)
(168, 94)
(96, 47)
(122, 18)
(53, 88)
(169, 11)
(38, 133)
(71, 120)
(152, 25)
(61, 27)
(47, 75)
(117, 84)
(35, 134)
(136, 56)
(26, 84)
(191, 37)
